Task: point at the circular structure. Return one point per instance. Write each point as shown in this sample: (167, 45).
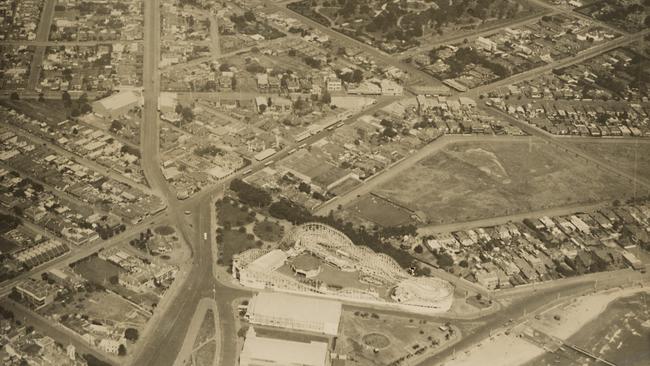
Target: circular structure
(376, 340)
(164, 230)
(306, 265)
(425, 292)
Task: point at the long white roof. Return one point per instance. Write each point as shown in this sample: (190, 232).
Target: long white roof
(283, 352)
(298, 308)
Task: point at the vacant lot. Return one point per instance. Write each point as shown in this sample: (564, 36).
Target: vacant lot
(380, 211)
(470, 181)
(631, 156)
(379, 339)
(97, 270)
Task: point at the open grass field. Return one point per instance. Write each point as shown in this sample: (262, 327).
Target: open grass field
(469, 181)
(232, 242)
(380, 339)
(50, 111)
(268, 231)
(230, 213)
(207, 329)
(631, 156)
(164, 230)
(7, 246)
(204, 356)
(107, 306)
(380, 211)
(97, 270)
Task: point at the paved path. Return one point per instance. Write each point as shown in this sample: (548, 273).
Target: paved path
(492, 221)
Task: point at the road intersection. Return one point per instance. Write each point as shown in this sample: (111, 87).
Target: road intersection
(166, 331)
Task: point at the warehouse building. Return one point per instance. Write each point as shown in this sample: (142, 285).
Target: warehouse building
(117, 105)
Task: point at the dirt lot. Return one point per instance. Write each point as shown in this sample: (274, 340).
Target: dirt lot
(380, 211)
(469, 181)
(631, 156)
(373, 339)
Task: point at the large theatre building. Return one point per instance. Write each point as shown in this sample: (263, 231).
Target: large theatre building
(295, 312)
(263, 351)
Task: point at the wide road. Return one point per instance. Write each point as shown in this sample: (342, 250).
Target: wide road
(416, 76)
(42, 33)
(78, 253)
(473, 93)
(164, 343)
(480, 32)
(565, 62)
(46, 43)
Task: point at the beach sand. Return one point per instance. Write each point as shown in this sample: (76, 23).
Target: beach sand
(576, 314)
(503, 350)
(510, 350)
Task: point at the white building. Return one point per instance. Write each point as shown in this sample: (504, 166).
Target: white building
(295, 312)
(109, 346)
(389, 87)
(486, 44)
(118, 104)
(261, 351)
(333, 83)
(167, 102)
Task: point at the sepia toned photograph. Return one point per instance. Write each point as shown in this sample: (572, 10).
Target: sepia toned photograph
(324, 182)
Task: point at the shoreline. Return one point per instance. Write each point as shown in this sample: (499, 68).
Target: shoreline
(561, 321)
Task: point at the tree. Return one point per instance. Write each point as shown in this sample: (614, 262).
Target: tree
(445, 260)
(121, 350)
(14, 96)
(418, 249)
(113, 280)
(67, 100)
(131, 334)
(326, 98)
(304, 187)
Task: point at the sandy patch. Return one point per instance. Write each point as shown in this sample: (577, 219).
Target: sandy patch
(508, 349)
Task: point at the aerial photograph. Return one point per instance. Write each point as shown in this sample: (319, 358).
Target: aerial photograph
(325, 183)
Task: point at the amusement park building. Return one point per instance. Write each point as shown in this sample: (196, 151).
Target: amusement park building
(295, 312)
(262, 351)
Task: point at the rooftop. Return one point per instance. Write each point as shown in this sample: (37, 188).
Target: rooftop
(282, 352)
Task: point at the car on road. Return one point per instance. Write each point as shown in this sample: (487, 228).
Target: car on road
(188, 212)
